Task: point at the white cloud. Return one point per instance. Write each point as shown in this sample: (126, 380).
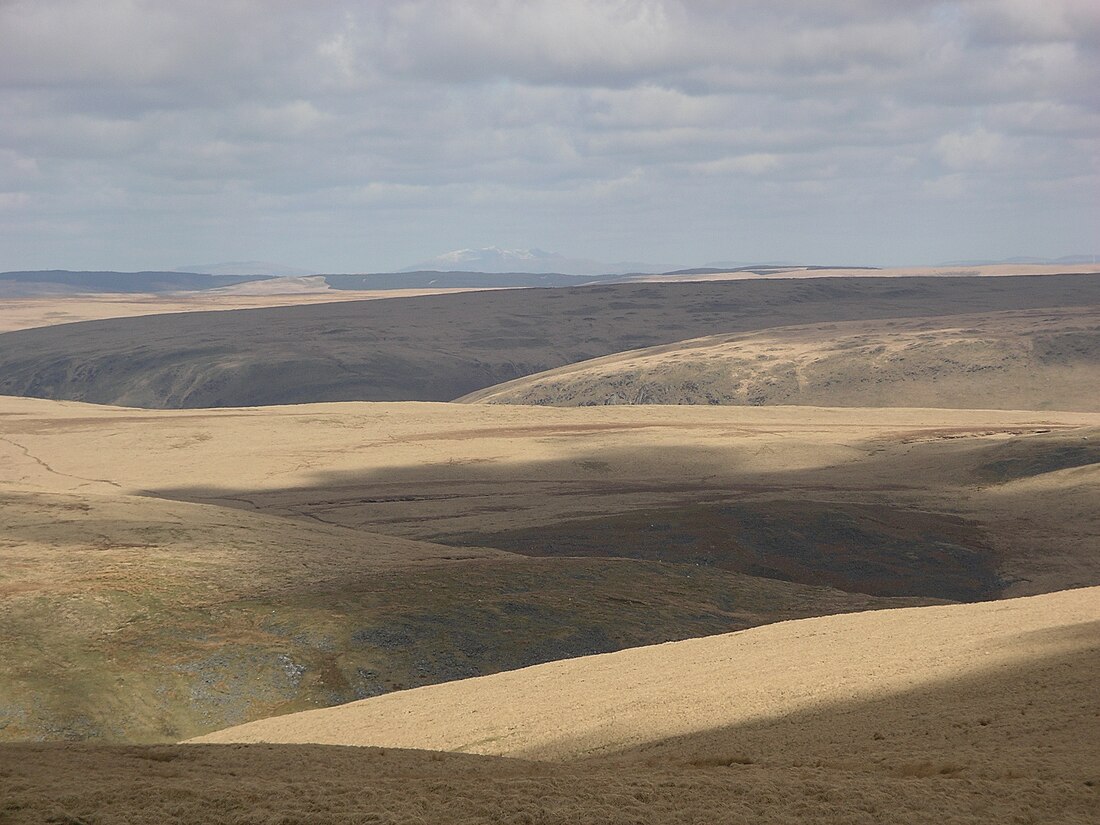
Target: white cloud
(946, 186)
(965, 150)
(754, 164)
(541, 41)
(12, 200)
(1015, 21)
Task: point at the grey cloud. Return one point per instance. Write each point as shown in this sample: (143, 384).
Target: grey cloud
(1022, 21)
(571, 41)
(356, 135)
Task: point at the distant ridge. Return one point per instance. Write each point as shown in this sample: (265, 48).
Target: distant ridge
(441, 347)
(1067, 259)
(1018, 360)
(728, 265)
(250, 268)
(64, 280)
(763, 269)
(426, 279)
(493, 259)
(467, 279)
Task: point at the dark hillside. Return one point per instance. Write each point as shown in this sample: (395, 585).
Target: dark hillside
(63, 280)
(440, 347)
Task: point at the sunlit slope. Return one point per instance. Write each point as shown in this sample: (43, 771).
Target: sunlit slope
(1033, 360)
(30, 311)
(954, 504)
(978, 713)
(948, 271)
(133, 619)
(437, 348)
(272, 452)
(691, 699)
(187, 570)
(128, 617)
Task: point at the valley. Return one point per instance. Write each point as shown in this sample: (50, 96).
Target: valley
(604, 575)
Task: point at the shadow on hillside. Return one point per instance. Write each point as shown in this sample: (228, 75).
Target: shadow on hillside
(858, 526)
(1027, 718)
(443, 347)
(1008, 744)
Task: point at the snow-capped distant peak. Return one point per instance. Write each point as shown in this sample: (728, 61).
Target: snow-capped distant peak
(498, 259)
(491, 253)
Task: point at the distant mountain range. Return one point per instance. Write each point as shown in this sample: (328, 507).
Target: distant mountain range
(490, 267)
(493, 259)
(436, 279)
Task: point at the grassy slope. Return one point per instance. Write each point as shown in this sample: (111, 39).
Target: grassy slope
(1032, 360)
(164, 618)
(966, 714)
(443, 347)
(1014, 487)
(671, 699)
(132, 619)
(976, 713)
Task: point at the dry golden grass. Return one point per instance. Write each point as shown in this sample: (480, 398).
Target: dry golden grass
(28, 312)
(441, 347)
(1033, 360)
(189, 570)
(684, 700)
(163, 574)
(129, 619)
(1005, 736)
(164, 619)
(436, 472)
(254, 784)
(466, 474)
(982, 270)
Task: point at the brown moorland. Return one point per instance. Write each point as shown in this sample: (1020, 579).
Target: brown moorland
(31, 311)
(185, 576)
(26, 306)
(1032, 359)
(693, 700)
(441, 347)
(131, 617)
(976, 713)
(165, 574)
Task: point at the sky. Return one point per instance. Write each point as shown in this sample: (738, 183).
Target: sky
(365, 136)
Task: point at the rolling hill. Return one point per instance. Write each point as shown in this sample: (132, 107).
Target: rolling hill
(544, 596)
(960, 714)
(67, 281)
(184, 574)
(128, 619)
(444, 347)
(132, 616)
(1033, 360)
(703, 699)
